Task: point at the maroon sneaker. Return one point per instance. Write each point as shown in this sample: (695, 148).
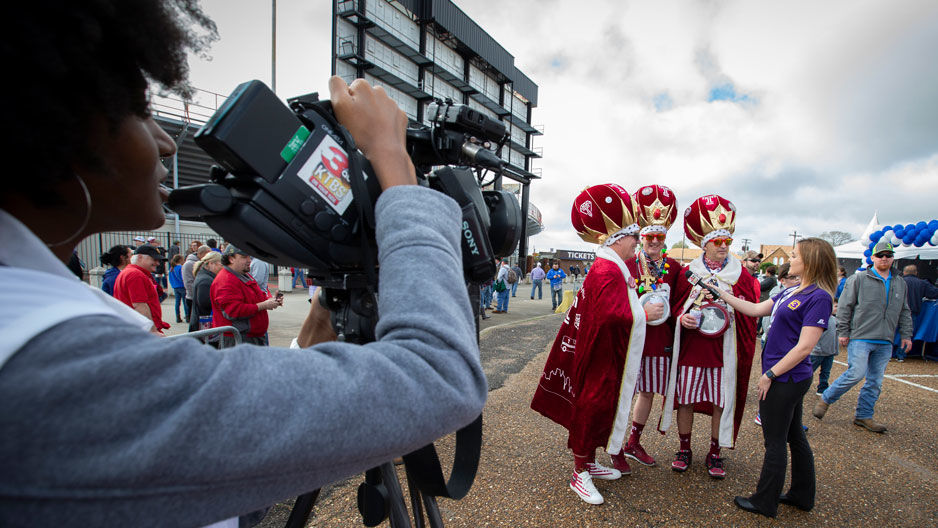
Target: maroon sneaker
(619, 462)
(715, 467)
(637, 453)
(682, 460)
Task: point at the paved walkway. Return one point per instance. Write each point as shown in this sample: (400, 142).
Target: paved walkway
(863, 478)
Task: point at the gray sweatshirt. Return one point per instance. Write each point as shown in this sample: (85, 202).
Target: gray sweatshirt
(106, 425)
(864, 312)
(188, 277)
(827, 343)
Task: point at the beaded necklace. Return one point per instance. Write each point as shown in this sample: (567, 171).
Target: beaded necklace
(652, 273)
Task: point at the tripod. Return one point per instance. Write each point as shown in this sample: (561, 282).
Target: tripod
(380, 496)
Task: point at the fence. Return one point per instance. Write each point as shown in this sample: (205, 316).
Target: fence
(91, 248)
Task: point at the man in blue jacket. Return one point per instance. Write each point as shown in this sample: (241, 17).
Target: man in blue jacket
(556, 277)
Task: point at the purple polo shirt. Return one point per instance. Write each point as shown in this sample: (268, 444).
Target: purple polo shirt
(810, 307)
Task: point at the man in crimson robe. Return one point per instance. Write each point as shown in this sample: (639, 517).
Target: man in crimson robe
(710, 371)
(657, 275)
(590, 374)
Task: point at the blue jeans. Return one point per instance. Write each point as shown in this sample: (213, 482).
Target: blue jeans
(502, 304)
(514, 288)
(180, 294)
(864, 360)
(556, 297)
(485, 297)
(298, 274)
(824, 363)
(537, 286)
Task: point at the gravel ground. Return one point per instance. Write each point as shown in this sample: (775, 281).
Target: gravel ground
(863, 478)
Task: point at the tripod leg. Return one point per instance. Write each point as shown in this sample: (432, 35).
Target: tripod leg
(398, 511)
(415, 505)
(302, 508)
(429, 501)
(433, 511)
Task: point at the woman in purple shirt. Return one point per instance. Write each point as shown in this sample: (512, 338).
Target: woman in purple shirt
(801, 314)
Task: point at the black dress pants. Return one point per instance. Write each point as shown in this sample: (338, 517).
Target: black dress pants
(781, 424)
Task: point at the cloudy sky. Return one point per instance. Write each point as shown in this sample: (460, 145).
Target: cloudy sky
(808, 116)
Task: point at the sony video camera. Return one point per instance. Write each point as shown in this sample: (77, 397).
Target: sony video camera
(292, 190)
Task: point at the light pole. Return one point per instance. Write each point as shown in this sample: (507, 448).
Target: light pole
(273, 46)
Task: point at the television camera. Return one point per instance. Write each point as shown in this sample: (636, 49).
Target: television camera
(291, 188)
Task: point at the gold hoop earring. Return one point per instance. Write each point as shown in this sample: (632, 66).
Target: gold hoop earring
(84, 223)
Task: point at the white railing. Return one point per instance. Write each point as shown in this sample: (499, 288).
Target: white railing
(197, 110)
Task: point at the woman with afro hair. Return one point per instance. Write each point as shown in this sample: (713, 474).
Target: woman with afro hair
(106, 424)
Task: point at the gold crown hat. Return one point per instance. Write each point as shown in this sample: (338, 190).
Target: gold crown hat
(709, 217)
(603, 210)
(656, 208)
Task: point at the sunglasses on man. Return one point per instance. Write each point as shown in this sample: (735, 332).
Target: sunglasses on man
(655, 236)
(883, 255)
(754, 260)
(722, 241)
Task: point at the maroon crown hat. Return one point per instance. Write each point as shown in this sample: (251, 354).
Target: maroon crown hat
(656, 208)
(709, 217)
(602, 210)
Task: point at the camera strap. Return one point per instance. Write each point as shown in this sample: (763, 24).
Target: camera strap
(366, 213)
(423, 465)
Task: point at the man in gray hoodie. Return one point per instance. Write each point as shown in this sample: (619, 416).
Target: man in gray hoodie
(871, 306)
(188, 275)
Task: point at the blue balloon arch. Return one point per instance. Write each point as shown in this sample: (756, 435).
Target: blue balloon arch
(907, 235)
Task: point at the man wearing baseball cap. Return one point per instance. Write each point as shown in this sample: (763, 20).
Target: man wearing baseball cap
(870, 308)
(135, 286)
(238, 301)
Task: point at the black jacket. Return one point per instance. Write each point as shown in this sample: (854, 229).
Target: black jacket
(201, 297)
(919, 288)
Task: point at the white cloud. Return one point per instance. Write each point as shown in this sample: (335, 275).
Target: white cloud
(840, 116)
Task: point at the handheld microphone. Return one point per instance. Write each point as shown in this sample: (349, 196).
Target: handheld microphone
(694, 279)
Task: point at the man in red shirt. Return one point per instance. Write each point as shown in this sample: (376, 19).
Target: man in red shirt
(238, 301)
(135, 286)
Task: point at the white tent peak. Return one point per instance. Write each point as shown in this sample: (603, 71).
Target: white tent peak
(871, 227)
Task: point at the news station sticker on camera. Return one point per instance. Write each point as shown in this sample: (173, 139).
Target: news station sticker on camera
(326, 171)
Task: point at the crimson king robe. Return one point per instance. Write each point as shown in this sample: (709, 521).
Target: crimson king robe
(589, 378)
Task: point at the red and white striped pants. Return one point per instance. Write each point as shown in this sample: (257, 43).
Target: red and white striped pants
(700, 384)
(653, 377)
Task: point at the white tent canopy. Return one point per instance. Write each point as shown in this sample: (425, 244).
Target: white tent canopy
(855, 249)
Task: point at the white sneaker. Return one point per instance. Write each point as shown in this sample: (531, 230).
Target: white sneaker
(582, 485)
(601, 472)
